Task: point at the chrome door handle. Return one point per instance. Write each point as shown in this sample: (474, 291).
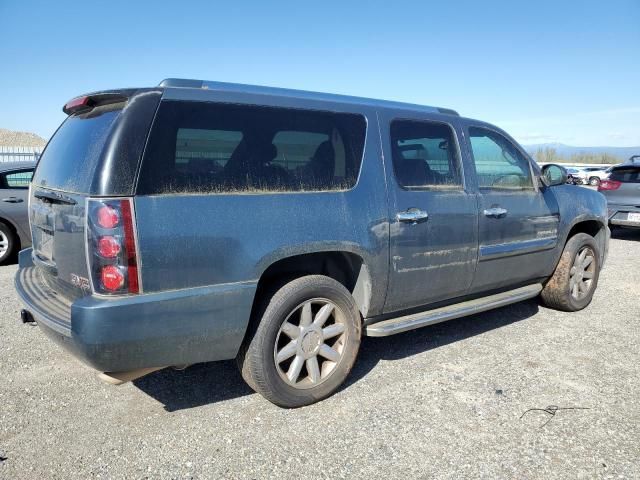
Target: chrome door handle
(12, 200)
(495, 212)
(413, 215)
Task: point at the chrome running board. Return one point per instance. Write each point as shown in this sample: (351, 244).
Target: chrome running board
(462, 309)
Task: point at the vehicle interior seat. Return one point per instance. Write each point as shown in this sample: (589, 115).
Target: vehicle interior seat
(322, 164)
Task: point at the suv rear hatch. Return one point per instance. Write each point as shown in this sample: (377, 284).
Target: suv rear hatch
(94, 153)
(622, 190)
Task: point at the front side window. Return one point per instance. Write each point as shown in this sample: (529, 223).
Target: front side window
(219, 148)
(19, 179)
(425, 155)
(499, 164)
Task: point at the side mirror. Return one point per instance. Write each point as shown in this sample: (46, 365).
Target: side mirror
(553, 174)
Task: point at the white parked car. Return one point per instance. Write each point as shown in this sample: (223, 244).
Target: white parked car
(594, 175)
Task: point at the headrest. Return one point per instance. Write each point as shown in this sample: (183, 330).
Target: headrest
(324, 151)
(265, 152)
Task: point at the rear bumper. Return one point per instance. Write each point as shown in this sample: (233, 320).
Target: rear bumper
(151, 330)
(618, 215)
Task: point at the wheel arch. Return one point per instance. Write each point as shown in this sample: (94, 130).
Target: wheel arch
(595, 227)
(345, 266)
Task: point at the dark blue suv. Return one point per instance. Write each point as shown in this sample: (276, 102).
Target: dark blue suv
(201, 221)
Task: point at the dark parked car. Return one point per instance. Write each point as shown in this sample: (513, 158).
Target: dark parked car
(622, 191)
(14, 216)
(277, 227)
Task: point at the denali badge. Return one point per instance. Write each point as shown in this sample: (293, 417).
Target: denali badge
(81, 282)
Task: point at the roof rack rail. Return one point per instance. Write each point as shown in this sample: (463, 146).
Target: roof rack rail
(181, 83)
(257, 89)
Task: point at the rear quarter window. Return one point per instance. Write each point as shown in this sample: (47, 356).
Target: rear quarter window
(220, 148)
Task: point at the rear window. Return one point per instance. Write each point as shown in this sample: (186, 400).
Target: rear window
(219, 148)
(424, 154)
(626, 174)
(70, 159)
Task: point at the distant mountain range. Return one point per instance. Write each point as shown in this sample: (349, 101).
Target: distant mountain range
(567, 150)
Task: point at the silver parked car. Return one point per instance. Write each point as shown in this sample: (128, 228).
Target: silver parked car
(595, 175)
(14, 220)
(622, 190)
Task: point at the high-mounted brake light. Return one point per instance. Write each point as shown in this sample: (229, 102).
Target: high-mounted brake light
(77, 104)
(606, 185)
(87, 102)
(111, 246)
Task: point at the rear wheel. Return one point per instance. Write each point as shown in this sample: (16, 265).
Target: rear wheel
(305, 343)
(594, 181)
(7, 243)
(575, 279)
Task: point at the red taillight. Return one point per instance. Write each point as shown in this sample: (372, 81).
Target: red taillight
(108, 217)
(111, 246)
(130, 246)
(112, 278)
(108, 247)
(609, 185)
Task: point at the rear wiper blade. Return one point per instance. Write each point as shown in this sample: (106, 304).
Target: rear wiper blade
(54, 197)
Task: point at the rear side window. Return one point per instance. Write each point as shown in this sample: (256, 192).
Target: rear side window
(625, 174)
(70, 159)
(19, 179)
(219, 148)
(425, 154)
(499, 164)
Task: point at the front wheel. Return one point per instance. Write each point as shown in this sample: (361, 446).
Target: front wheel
(305, 343)
(594, 181)
(576, 276)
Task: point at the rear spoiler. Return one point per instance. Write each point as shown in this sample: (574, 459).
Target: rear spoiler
(85, 103)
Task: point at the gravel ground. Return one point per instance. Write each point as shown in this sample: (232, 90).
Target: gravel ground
(445, 402)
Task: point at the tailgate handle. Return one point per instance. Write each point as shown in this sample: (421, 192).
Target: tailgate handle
(52, 197)
(12, 200)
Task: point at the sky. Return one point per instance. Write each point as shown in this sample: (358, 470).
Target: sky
(545, 71)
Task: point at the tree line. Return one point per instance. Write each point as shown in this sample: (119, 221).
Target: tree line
(551, 155)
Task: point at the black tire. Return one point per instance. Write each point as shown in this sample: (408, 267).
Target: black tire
(557, 292)
(10, 236)
(256, 358)
(594, 181)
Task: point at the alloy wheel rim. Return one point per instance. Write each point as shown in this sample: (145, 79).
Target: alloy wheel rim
(582, 273)
(4, 244)
(310, 343)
